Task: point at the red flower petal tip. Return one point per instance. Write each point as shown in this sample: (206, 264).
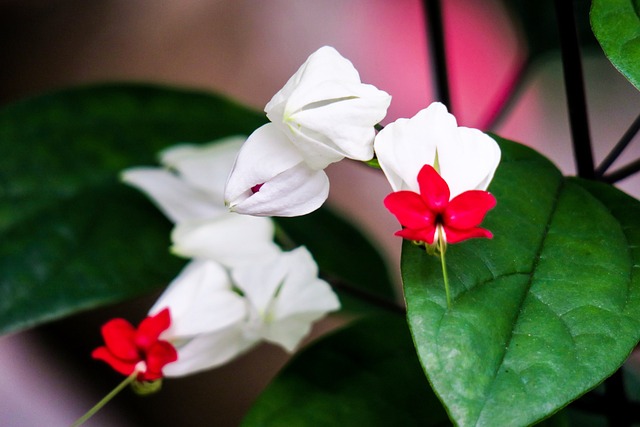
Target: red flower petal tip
(128, 349)
(422, 214)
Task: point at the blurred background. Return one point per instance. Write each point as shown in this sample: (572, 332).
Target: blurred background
(247, 49)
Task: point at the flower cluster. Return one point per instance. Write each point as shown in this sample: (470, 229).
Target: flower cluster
(221, 313)
(439, 173)
(189, 191)
(321, 115)
(240, 288)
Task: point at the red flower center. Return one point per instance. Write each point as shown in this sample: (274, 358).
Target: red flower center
(256, 188)
(128, 349)
(422, 214)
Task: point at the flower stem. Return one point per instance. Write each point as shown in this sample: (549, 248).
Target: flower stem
(91, 412)
(442, 249)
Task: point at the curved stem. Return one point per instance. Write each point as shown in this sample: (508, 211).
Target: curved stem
(91, 412)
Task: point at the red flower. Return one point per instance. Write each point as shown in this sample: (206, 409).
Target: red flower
(128, 349)
(430, 212)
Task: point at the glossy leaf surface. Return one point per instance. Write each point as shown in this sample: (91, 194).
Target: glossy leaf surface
(616, 25)
(365, 375)
(543, 312)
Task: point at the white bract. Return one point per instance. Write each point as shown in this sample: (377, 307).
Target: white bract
(465, 158)
(323, 114)
(284, 296)
(270, 177)
(205, 314)
(327, 112)
(189, 191)
(216, 316)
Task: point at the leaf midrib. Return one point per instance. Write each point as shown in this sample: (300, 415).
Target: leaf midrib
(536, 261)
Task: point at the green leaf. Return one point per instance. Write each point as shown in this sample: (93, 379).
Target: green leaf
(364, 375)
(73, 237)
(616, 25)
(543, 312)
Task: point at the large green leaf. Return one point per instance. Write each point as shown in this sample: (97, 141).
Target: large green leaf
(616, 25)
(541, 313)
(71, 236)
(365, 375)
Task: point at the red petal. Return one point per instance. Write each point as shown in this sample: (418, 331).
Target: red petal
(119, 337)
(125, 367)
(467, 210)
(151, 327)
(433, 189)
(160, 353)
(410, 209)
(456, 236)
(421, 235)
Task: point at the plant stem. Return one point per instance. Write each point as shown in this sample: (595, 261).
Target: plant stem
(619, 148)
(363, 295)
(91, 412)
(442, 249)
(574, 87)
(435, 27)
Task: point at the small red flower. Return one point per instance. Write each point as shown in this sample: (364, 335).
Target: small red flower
(128, 349)
(430, 212)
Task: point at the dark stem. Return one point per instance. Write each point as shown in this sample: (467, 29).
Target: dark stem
(435, 31)
(368, 297)
(619, 148)
(623, 172)
(574, 87)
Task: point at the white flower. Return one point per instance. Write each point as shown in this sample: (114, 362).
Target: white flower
(214, 319)
(465, 158)
(327, 112)
(206, 315)
(189, 191)
(322, 115)
(271, 178)
(284, 297)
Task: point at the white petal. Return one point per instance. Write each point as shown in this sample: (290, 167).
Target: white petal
(266, 154)
(207, 166)
(322, 65)
(302, 290)
(327, 112)
(469, 161)
(337, 128)
(294, 192)
(302, 299)
(405, 146)
(229, 239)
(287, 295)
(260, 281)
(209, 351)
(289, 332)
(200, 300)
(173, 196)
(467, 158)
